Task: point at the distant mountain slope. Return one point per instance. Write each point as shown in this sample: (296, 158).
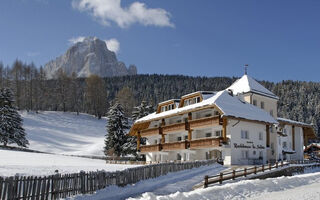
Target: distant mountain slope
(91, 56)
(65, 133)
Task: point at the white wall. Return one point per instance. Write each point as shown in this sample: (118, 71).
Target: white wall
(234, 131)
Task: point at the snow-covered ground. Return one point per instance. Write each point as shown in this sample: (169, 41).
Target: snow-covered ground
(303, 186)
(172, 182)
(25, 163)
(65, 133)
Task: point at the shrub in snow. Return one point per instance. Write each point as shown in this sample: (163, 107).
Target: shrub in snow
(11, 130)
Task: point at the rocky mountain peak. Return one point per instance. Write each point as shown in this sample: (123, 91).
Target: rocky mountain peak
(90, 56)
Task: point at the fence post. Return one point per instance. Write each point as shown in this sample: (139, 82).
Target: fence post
(221, 177)
(269, 166)
(233, 174)
(262, 168)
(82, 182)
(276, 164)
(255, 169)
(245, 172)
(206, 180)
(281, 163)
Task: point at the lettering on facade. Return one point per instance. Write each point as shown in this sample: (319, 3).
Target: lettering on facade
(243, 146)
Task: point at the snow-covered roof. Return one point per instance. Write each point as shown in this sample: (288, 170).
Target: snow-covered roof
(230, 106)
(289, 121)
(200, 92)
(247, 84)
(167, 101)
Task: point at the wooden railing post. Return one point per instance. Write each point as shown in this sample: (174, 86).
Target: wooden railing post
(269, 166)
(255, 169)
(233, 174)
(245, 172)
(221, 178)
(281, 163)
(262, 168)
(277, 164)
(206, 180)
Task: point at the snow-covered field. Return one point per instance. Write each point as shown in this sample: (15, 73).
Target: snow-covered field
(65, 133)
(303, 186)
(25, 163)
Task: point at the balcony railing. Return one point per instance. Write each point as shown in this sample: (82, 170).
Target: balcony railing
(204, 143)
(150, 132)
(174, 128)
(175, 146)
(150, 148)
(204, 122)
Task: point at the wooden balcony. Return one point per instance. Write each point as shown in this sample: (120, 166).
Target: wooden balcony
(204, 143)
(150, 132)
(174, 128)
(204, 122)
(150, 148)
(175, 146)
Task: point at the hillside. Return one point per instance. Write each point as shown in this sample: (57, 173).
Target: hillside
(65, 133)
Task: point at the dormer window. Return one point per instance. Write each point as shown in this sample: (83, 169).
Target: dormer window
(167, 107)
(191, 101)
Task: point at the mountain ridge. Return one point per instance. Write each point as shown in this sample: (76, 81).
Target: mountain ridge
(87, 57)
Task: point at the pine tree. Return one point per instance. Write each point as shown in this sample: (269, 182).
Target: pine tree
(140, 111)
(117, 127)
(11, 130)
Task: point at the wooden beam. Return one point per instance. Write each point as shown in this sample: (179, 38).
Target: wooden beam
(268, 135)
(189, 130)
(224, 129)
(293, 138)
(138, 140)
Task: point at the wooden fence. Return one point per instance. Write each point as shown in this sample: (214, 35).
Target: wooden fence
(62, 186)
(248, 171)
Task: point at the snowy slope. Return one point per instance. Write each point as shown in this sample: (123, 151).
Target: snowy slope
(25, 163)
(304, 186)
(65, 133)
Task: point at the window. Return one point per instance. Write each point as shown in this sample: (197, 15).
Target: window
(156, 141)
(179, 138)
(244, 134)
(260, 136)
(284, 144)
(208, 134)
(163, 108)
(262, 105)
(186, 102)
(254, 102)
(261, 154)
(285, 131)
(198, 99)
(245, 154)
(185, 137)
(218, 133)
(178, 156)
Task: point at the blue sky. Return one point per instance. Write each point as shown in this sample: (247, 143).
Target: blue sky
(279, 40)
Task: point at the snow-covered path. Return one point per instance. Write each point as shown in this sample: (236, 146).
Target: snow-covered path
(172, 182)
(304, 186)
